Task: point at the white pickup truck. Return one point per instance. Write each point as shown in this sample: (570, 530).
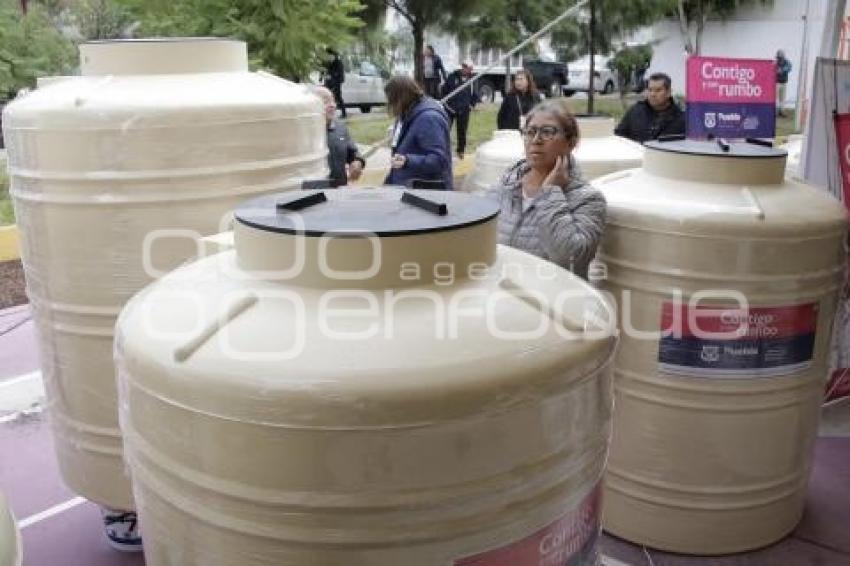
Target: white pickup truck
(364, 87)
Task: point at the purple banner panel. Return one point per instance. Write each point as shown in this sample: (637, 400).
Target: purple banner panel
(731, 120)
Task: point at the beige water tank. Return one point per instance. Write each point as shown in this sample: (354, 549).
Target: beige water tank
(493, 158)
(417, 397)
(113, 176)
(10, 537)
(598, 153)
(726, 276)
(794, 147)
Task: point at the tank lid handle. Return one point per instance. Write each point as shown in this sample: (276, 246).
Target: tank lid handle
(303, 202)
(761, 142)
(438, 208)
(671, 137)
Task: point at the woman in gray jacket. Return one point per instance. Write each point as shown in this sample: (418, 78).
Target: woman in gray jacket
(547, 209)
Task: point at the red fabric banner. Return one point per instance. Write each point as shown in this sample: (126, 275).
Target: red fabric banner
(842, 137)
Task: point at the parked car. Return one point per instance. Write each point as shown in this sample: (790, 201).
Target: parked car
(549, 76)
(363, 87)
(605, 81)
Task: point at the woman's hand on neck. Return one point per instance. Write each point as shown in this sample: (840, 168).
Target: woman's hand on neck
(536, 179)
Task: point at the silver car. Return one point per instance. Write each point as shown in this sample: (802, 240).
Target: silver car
(364, 88)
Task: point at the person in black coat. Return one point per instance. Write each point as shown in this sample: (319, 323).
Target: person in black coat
(657, 116)
(334, 77)
(522, 97)
(783, 69)
(460, 105)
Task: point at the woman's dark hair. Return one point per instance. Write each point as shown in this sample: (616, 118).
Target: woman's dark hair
(559, 110)
(532, 87)
(430, 48)
(402, 94)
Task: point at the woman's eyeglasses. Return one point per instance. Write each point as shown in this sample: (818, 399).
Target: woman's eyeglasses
(546, 133)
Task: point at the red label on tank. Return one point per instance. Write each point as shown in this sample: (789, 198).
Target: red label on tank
(568, 541)
(737, 323)
(734, 342)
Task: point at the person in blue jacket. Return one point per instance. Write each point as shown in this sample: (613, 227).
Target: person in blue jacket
(421, 145)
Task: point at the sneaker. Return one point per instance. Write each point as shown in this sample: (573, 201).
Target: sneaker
(122, 530)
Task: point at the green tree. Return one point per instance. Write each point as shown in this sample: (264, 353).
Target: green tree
(291, 35)
(30, 47)
(374, 42)
(423, 14)
(696, 13)
(55, 8)
(601, 24)
(182, 18)
(287, 37)
(613, 20)
(504, 23)
(101, 19)
(628, 63)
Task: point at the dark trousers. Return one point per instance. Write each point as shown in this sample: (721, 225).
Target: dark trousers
(462, 119)
(432, 87)
(336, 89)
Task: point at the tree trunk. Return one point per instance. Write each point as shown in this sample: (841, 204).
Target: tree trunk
(623, 82)
(703, 17)
(418, 46)
(684, 28)
(592, 34)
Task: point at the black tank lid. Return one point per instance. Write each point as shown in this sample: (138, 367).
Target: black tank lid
(751, 149)
(385, 212)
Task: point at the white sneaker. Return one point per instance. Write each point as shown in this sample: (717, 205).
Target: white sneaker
(122, 530)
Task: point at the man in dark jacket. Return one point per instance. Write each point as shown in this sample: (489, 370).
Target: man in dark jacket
(334, 77)
(460, 105)
(421, 148)
(654, 117)
(344, 159)
(783, 69)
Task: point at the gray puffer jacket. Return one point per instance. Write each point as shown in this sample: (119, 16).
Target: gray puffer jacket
(563, 224)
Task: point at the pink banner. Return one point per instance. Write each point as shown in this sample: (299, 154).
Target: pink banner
(839, 383)
(721, 79)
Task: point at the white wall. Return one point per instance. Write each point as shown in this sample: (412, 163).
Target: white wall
(754, 32)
